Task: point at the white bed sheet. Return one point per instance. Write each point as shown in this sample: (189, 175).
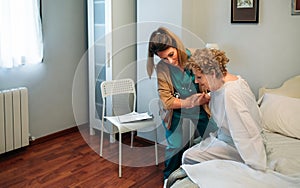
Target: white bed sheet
(231, 174)
(284, 168)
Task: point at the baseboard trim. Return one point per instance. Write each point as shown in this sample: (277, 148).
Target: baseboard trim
(54, 135)
(75, 129)
(144, 140)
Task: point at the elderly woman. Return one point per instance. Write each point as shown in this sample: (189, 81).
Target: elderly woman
(234, 110)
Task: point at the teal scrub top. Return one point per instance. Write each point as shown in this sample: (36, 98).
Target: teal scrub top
(185, 86)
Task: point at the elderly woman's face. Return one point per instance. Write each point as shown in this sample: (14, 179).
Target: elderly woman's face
(200, 79)
(206, 81)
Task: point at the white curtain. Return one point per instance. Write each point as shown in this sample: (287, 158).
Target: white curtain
(21, 40)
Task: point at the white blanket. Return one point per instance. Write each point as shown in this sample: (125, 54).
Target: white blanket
(231, 174)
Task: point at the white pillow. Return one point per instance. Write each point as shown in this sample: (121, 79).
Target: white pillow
(281, 114)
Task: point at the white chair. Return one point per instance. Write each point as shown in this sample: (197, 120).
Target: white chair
(117, 88)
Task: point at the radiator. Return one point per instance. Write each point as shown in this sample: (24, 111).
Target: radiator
(14, 121)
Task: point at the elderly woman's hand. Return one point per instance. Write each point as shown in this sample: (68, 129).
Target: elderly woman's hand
(196, 100)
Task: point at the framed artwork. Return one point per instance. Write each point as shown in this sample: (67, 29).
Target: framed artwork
(244, 11)
(295, 7)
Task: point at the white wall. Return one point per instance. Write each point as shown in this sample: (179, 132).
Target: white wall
(265, 54)
(124, 39)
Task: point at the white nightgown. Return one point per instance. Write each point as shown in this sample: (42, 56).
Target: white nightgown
(239, 138)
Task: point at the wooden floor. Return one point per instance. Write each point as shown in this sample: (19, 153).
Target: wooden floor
(68, 161)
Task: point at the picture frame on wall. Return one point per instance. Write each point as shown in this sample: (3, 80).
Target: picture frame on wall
(295, 7)
(244, 11)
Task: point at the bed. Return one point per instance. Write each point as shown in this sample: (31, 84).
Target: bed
(280, 109)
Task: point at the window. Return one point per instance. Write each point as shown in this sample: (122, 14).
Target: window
(21, 40)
